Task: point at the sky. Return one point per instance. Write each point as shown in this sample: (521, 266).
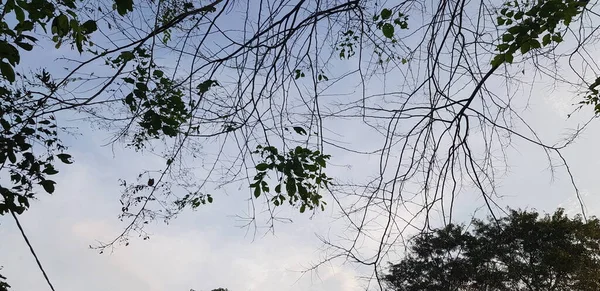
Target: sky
(209, 248)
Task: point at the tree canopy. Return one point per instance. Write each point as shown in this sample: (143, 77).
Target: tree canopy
(522, 251)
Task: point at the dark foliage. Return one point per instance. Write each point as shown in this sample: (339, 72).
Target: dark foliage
(522, 251)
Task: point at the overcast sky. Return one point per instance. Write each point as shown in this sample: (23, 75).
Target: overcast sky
(207, 248)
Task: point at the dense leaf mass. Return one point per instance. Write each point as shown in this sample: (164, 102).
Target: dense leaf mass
(522, 251)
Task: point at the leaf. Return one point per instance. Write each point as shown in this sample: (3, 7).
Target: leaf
(61, 24)
(290, 186)
(557, 38)
(158, 73)
(302, 191)
(169, 130)
(141, 86)
(65, 158)
(509, 58)
(126, 56)
(519, 15)
(23, 201)
(507, 37)
(546, 39)
(302, 208)
(256, 191)
(49, 170)
(525, 47)
(299, 130)
(498, 60)
(151, 182)
(5, 124)
(388, 30)
(48, 186)
(262, 167)
(24, 45)
(209, 199)
(206, 85)
(386, 14)
(7, 71)
(124, 6)
(503, 47)
(19, 14)
(11, 155)
(89, 26)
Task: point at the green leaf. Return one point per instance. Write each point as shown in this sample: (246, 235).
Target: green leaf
(89, 26)
(514, 29)
(507, 37)
(509, 58)
(141, 86)
(388, 30)
(169, 131)
(557, 38)
(123, 6)
(158, 73)
(498, 60)
(48, 186)
(256, 191)
(7, 71)
(19, 14)
(302, 208)
(386, 14)
(262, 167)
(503, 47)
(206, 85)
(519, 15)
(525, 47)
(9, 52)
(61, 24)
(24, 45)
(302, 191)
(290, 186)
(126, 56)
(546, 39)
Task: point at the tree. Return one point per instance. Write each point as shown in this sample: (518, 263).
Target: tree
(254, 100)
(521, 251)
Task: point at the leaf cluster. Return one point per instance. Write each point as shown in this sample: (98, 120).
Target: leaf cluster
(29, 146)
(300, 172)
(528, 21)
